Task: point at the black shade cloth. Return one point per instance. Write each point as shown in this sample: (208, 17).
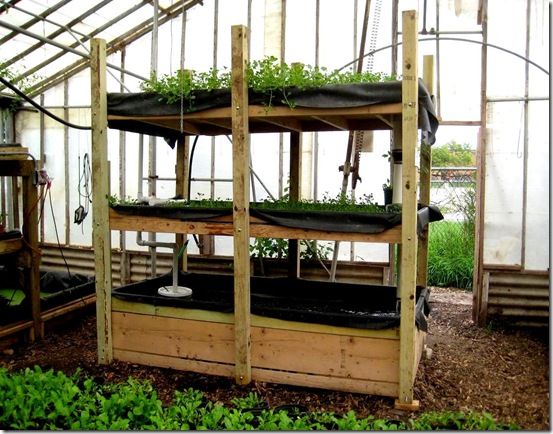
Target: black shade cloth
(293, 299)
(328, 96)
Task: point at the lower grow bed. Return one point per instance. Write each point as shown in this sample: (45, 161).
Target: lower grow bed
(329, 335)
(56, 289)
(320, 302)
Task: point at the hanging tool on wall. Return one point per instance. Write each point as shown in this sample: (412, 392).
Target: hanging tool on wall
(84, 181)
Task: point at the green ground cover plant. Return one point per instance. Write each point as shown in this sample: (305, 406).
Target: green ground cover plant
(33, 399)
(268, 76)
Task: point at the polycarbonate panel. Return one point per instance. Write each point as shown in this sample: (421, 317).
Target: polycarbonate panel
(538, 188)
(504, 180)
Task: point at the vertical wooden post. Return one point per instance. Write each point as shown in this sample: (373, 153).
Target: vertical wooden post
(425, 180)
(295, 195)
(30, 233)
(101, 239)
(182, 173)
(479, 298)
(408, 258)
(241, 199)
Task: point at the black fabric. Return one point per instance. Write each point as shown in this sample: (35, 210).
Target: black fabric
(329, 96)
(173, 212)
(333, 221)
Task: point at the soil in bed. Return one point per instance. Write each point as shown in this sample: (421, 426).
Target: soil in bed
(500, 370)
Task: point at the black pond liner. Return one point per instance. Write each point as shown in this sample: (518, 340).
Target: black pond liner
(327, 96)
(319, 302)
(56, 287)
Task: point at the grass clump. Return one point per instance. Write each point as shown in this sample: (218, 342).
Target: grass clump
(450, 255)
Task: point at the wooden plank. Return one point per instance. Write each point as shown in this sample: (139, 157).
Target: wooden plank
(408, 258)
(257, 229)
(13, 153)
(124, 306)
(101, 236)
(323, 354)
(241, 201)
(10, 246)
(313, 359)
(188, 339)
(379, 388)
(162, 361)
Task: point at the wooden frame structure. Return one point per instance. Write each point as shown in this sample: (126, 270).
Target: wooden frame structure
(23, 251)
(241, 345)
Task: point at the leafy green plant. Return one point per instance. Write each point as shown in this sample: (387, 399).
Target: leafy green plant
(268, 76)
(16, 78)
(33, 399)
(249, 401)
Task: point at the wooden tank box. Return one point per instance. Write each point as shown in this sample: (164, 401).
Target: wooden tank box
(306, 333)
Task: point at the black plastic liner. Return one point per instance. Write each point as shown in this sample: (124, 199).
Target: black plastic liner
(334, 221)
(328, 96)
(10, 235)
(56, 287)
(318, 302)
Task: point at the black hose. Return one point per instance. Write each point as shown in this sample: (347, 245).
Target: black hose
(40, 108)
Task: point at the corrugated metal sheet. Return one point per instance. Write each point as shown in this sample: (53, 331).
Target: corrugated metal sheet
(518, 298)
(81, 261)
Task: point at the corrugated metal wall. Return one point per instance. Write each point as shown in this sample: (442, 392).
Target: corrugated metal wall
(81, 261)
(517, 298)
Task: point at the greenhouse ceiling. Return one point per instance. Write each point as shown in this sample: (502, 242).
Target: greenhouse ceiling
(45, 42)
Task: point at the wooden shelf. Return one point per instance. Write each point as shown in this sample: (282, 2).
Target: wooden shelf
(214, 122)
(25, 248)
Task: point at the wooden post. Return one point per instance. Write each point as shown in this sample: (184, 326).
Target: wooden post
(101, 239)
(295, 195)
(30, 233)
(241, 199)
(182, 173)
(425, 180)
(408, 258)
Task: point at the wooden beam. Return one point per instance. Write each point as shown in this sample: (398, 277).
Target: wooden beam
(258, 229)
(241, 199)
(408, 260)
(30, 235)
(182, 173)
(295, 195)
(101, 236)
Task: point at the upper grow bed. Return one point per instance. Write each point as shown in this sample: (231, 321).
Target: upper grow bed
(340, 107)
(336, 221)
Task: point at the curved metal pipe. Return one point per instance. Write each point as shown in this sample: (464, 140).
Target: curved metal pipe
(487, 44)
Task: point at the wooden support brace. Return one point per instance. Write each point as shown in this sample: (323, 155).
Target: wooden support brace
(408, 260)
(101, 235)
(241, 199)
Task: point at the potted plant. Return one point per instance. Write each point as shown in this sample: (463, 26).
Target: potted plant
(388, 192)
